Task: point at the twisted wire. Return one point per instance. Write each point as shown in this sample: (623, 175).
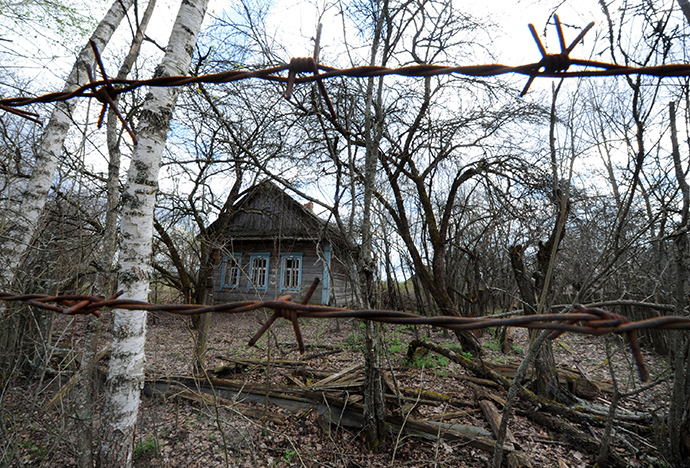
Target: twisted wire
(583, 320)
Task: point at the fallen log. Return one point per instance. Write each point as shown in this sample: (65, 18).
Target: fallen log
(246, 410)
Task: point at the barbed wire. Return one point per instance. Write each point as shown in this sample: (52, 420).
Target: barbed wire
(107, 90)
(582, 320)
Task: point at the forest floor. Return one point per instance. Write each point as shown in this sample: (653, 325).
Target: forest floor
(177, 429)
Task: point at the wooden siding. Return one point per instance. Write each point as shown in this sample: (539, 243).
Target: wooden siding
(267, 221)
(312, 266)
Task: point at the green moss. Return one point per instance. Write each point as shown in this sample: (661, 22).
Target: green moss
(429, 361)
(148, 445)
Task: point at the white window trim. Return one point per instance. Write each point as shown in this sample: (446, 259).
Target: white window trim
(264, 255)
(285, 256)
(224, 272)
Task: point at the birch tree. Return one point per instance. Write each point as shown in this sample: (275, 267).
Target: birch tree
(84, 406)
(126, 371)
(19, 233)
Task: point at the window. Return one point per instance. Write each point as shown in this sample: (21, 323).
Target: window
(258, 271)
(230, 276)
(291, 271)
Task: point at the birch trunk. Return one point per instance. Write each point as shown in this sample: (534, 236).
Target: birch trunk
(18, 236)
(126, 371)
(105, 283)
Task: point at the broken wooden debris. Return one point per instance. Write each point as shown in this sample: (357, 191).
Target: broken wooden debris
(552, 415)
(335, 400)
(323, 383)
(332, 410)
(177, 391)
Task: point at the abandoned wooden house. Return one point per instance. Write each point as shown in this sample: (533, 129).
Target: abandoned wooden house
(275, 245)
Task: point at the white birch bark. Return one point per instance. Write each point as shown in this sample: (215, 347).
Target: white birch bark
(19, 234)
(126, 371)
(105, 282)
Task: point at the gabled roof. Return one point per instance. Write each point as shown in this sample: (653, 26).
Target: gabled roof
(267, 212)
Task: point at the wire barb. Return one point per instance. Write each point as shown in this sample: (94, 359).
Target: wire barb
(553, 63)
(106, 93)
(22, 113)
(287, 314)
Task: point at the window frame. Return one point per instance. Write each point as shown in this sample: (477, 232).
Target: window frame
(291, 255)
(251, 284)
(237, 257)
(326, 293)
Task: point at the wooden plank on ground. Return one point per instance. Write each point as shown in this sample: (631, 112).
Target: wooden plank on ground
(338, 375)
(514, 459)
(242, 408)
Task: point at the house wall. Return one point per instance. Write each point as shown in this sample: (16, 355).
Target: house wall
(312, 266)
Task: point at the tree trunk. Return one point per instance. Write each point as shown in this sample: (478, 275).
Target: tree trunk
(126, 371)
(374, 407)
(105, 283)
(83, 406)
(374, 402)
(545, 376)
(679, 410)
(204, 325)
(546, 382)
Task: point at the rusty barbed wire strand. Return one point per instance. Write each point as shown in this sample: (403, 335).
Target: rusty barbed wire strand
(365, 71)
(592, 320)
(550, 66)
